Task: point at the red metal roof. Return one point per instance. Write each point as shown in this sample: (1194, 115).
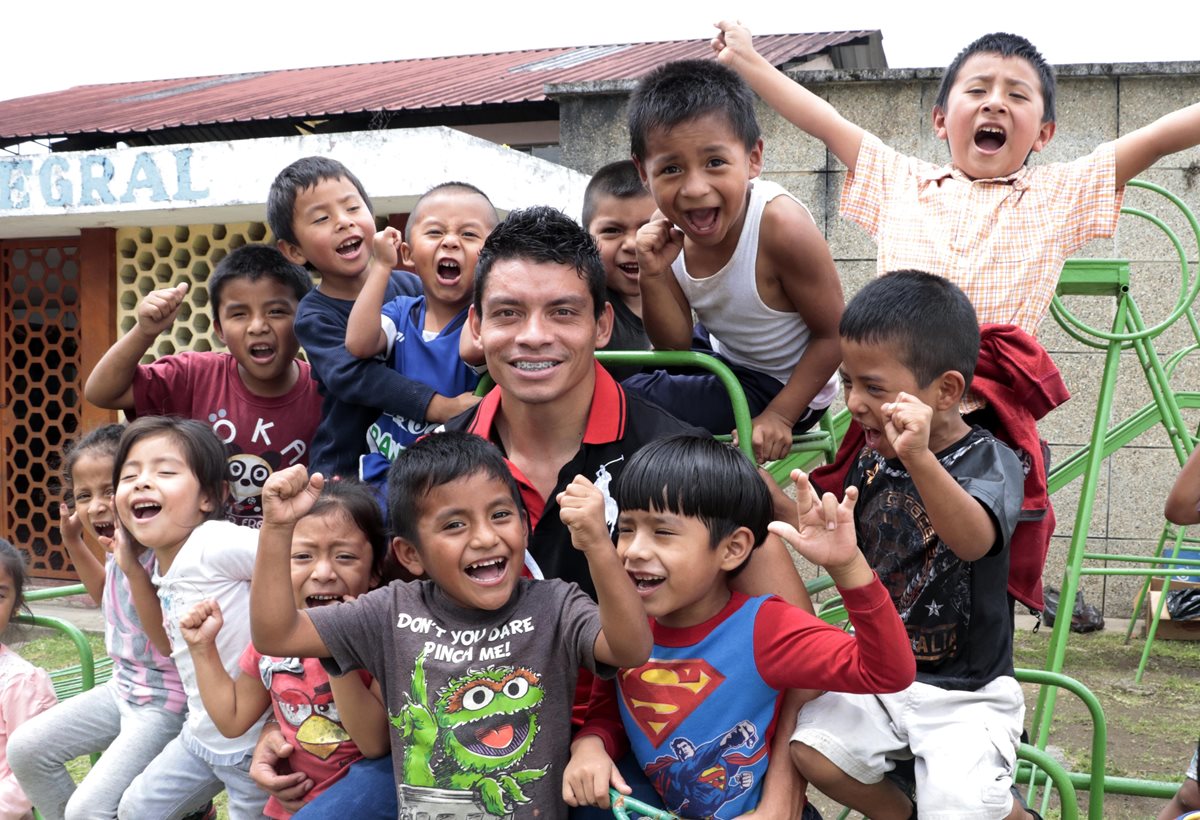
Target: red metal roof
(402, 85)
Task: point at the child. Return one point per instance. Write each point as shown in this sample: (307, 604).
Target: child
(258, 398)
(742, 253)
(995, 107)
(692, 512)
(422, 334)
(321, 216)
(25, 690)
(615, 206)
(141, 708)
(477, 664)
(937, 503)
(170, 481)
(337, 549)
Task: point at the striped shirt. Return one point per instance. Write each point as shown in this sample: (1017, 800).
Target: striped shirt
(143, 676)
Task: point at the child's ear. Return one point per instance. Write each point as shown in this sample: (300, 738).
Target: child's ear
(736, 549)
(756, 159)
(1044, 136)
(291, 252)
(408, 555)
(951, 386)
(939, 122)
(637, 163)
(406, 255)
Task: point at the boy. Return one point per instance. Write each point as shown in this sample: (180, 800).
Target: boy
(937, 503)
(321, 217)
(742, 253)
(258, 397)
(421, 334)
(996, 227)
(615, 206)
(692, 512)
(479, 667)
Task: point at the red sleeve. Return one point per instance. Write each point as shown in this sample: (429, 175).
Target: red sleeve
(603, 718)
(796, 650)
(164, 386)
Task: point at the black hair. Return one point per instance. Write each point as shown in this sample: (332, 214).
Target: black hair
(252, 263)
(434, 461)
(542, 234)
(927, 321)
(356, 501)
(617, 179)
(697, 477)
(102, 441)
(12, 561)
(683, 90)
(202, 451)
(1006, 45)
(299, 176)
(451, 187)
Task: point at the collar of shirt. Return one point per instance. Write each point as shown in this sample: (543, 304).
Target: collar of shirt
(1019, 179)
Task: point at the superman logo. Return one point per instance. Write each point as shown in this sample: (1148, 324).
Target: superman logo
(661, 694)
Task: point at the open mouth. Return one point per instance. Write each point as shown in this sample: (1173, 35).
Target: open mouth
(488, 571)
(262, 352)
(105, 529)
(646, 584)
(349, 247)
(872, 437)
(448, 272)
(145, 510)
(990, 139)
(314, 601)
(630, 269)
(702, 220)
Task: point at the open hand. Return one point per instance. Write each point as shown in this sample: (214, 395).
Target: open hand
(269, 769)
(825, 535)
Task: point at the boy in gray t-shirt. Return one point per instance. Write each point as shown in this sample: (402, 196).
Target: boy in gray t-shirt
(477, 665)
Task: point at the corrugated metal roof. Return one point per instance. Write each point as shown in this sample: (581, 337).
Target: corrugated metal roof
(402, 85)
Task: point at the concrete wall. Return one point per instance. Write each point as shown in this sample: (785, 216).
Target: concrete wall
(1095, 103)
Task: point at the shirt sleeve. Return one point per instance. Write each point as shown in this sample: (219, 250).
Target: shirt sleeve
(353, 632)
(862, 192)
(993, 476)
(797, 650)
(603, 719)
(580, 625)
(1088, 195)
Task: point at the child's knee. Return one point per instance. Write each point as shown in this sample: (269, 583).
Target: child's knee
(25, 751)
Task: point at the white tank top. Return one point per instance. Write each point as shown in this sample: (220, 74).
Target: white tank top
(746, 331)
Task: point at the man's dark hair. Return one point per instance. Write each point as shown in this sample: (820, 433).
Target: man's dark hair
(252, 263)
(299, 176)
(927, 321)
(1006, 45)
(436, 460)
(677, 92)
(697, 477)
(617, 179)
(542, 234)
(455, 187)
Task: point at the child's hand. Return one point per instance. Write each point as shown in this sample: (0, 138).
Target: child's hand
(123, 551)
(201, 623)
(443, 408)
(590, 773)
(826, 532)
(289, 494)
(733, 44)
(658, 243)
(771, 436)
(581, 508)
(157, 310)
(69, 524)
(385, 248)
(906, 425)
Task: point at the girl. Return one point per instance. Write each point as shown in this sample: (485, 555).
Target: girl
(337, 549)
(25, 690)
(170, 484)
(140, 709)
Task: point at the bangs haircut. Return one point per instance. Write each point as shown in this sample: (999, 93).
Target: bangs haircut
(927, 321)
(1005, 45)
(542, 234)
(252, 263)
(203, 453)
(436, 460)
(683, 90)
(12, 560)
(619, 180)
(447, 188)
(356, 501)
(299, 176)
(697, 477)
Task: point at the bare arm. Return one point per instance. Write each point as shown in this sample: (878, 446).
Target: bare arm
(277, 627)
(364, 335)
(110, 384)
(362, 712)
(666, 313)
(798, 105)
(1138, 150)
(89, 568)
(624, 638)
(145, 597)
(234, 704)
(1184, 498)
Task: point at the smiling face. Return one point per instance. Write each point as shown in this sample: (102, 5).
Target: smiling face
(538, 331)
(333, 228)
(331, 559)
(614, 226)
(445, 236)
(159, 499)
(993, 116)
(92, 489)
(471, 541)
(255, 320)
(699, 173)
